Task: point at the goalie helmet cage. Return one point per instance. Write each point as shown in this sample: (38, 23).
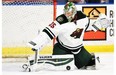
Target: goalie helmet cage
(20, 9)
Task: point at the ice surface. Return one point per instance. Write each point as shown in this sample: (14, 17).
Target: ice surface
(105, 67)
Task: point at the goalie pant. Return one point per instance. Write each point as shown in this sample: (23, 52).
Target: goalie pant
(69, 38)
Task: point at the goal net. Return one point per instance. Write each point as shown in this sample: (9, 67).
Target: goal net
(22, 20)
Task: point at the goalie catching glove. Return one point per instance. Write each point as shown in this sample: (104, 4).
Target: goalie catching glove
(101, 22)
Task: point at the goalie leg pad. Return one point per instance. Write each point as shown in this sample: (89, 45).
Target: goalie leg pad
(54, 62)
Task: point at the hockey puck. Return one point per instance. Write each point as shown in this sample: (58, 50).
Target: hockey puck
(68, 67)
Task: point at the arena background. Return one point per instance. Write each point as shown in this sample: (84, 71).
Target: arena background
(22, 20)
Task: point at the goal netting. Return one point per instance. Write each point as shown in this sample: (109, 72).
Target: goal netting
(21, 22)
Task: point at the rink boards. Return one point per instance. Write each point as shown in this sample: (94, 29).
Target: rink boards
(27, 22)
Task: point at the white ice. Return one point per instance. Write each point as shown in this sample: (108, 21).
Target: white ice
(105, 67)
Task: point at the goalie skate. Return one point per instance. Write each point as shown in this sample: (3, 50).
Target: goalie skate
(92, 64)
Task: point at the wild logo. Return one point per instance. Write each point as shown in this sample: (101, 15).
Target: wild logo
(77, 33)
(93, 13)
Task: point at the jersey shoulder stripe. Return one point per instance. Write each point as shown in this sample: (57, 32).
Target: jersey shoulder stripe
(49, 33)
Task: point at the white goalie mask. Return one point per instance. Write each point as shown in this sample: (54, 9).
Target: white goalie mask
(70, 10)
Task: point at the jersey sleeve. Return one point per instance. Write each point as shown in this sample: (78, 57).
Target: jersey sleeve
(48, 33)
(82, 22)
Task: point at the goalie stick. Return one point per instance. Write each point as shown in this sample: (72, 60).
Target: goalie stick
(35, 66)
(36, 55)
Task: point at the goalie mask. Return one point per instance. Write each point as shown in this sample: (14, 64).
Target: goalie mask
(70, 10)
